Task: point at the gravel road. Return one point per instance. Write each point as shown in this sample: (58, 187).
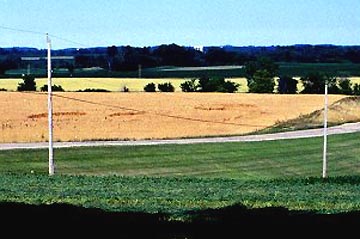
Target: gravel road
(341, 129)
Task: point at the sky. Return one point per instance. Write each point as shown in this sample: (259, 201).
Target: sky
(140, 23)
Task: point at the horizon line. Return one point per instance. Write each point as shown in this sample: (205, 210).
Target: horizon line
(204, 46)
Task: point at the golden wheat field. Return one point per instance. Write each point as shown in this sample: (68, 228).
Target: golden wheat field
(89, 116)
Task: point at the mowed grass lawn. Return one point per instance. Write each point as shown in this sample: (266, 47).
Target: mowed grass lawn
(176, 179)
(240, 160)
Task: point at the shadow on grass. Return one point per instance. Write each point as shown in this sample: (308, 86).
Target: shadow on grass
(231, 222)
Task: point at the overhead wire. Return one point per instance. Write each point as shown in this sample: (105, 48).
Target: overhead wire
(22, 30)
(151, 112)
(42, 33)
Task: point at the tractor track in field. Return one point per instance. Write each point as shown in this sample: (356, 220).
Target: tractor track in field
(309, 133)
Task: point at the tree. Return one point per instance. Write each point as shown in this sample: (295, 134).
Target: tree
(175, 55)
(356, 90)
(345, 87)
(150, 87)
(260, 75)
(166, 87)
(206, 84)
(219, 56)
(53, 88)
(189, 86)
(126, 89)
(230, 87)
(287, 85)
(262, 82)
(111, 52)
(29, 84)
(7, 64)
(263, 63)
(315, 84)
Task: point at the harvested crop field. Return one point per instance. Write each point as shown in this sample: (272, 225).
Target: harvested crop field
(105, 116)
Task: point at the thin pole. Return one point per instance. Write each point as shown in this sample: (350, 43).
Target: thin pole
(325, 132)
(50, 110)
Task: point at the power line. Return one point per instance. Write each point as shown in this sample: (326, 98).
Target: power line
(151, 112)
(67, 40)
(157, 113)
(22, 30)
(42, 34)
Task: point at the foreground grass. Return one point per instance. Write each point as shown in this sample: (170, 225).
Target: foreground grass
(178, 196)
(177, 179)
(241, 160)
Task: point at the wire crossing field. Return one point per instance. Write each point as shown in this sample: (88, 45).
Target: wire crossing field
(80, 116)
(175, 179)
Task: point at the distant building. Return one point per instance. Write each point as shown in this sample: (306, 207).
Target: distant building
(199, 48)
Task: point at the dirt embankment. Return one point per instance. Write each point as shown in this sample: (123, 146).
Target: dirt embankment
(345, 110)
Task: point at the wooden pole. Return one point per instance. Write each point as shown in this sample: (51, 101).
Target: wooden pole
(50, 109)
(324, 174)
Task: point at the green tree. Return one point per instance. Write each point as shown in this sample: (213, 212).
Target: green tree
(7, 64)
(189, 86)
(262, 82)
(111, 51)
(314, 83)
(29, 84)
(53, 88)
(260, 75)
(230, 87)
(206, 84)
(345, 86)
(166, 87)
(287, 85)
(150, 87)
(356, 90)
(217, 84)
(263, 63)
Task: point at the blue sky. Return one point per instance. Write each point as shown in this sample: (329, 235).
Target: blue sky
(184, 22)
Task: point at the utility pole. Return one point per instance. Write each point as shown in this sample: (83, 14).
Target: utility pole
(50, 109)
(50, 101)
(325, 132)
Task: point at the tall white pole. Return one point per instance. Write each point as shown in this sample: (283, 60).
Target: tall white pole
(325, 132)
(50, 109)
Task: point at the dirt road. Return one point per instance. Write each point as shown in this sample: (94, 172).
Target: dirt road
(341, 129)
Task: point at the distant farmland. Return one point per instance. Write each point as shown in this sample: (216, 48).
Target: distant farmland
(231, 71)
(111, 84)
(118, 84)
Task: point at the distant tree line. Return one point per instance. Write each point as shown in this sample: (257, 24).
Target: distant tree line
(127, 58)
(260, 78)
